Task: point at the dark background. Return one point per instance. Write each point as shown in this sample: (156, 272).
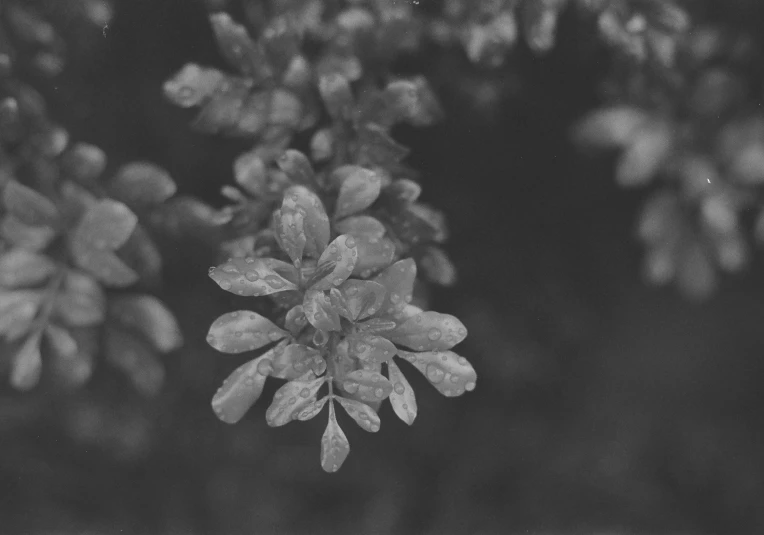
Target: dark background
(602, 403)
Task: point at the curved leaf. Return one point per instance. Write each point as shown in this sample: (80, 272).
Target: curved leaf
(292, 398)
(290, 231)
(371, 349)
(362, 298)
(149, 316)
(334, 444)
(250, 277)
(17, 311)
(373, 254)
(241, 331)
(359, 189)
(241, 389)
(29, 206)
(72, 354)
(106, 225)
(361, 226)
(27, 364)
(402, 397)
(398, 279)
(320, 312)
(295, 320)
(296, 166)
(104, 265)
(134, 358)
(32, 238)
(437, 266)
(367, 385)
(192, 85)
(251, 174)
(451, 374)
(294, 360)
(141, 184)
(429, 330)
(311, 411)
(338, 261)
(81, 301)
(21, 268)
(364, 415)
(236, 45)
(336, 94)
(315, 220)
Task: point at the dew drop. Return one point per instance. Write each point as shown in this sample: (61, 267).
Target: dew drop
(434, 374)
(249, 260)
(251, 276)
(305, 393)
(229, 268)
(469, 387)
(292, 400)
(352, 290)
(238, 334)
(264, 367)
(462, 361)
(350, 388)
(274, 335)
(434, 334)
(379, 392)
(399, 388)
(226, 285)
(350, 241)
(454, 379)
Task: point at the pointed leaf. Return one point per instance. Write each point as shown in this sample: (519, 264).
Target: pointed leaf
(142, 184)
(27, 364)
(361, 226)
(363, 298)
(373, 254)
(398, 279)
(402, 397)
(32, 238)
(320, 312)
(429, 330)
(290, 231)
(341, 256)
(106, 225)
(316, 222)
(250, 277)
(363, 415)
(150, 317)
(241, 331)
(241, 389)
(134, 358)
(334, 444)
(104, 265)
(451, 374)
(81, 301)
(371, 349)
(29, 206)
(17, 311)
(192, 85)
(292, 398)
(311, 410)
(20, 268)
(294, 360)
(358, 190)
(368, 385)
(236, 45)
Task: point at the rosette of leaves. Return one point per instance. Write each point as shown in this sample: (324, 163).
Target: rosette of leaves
(338, 332)
(64, 251)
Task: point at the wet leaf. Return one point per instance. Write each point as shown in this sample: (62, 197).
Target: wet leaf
(32, 238)
(359, 188)
(371, 349)
(316, 222)
(404, 190)
(106, 225)
(451, 374)
(285, 109)
(242, 330)
(29, 206)
(142, 184)
(320, 312)
(292, 398)
(337, 95)
(27, 364)
(136, 359)
(296, 166)
(341, 257)
(361, 226)
(378, 148)
(290, 231)
(17, 311)
(295, 360)
(295, 320)
(311, 410)
(362, 298)
(428, 331)
(373, 254)
(20, 268)
(398, 280)
(236, 46)
(104, 265)
(81, 301)
(251, 277)
(437, 266)
(241, 389)
(402, 397)
(367, 385)
(363, 415)
(334, 444)
(223, 110)
(251, 174)
(192, 85)
(150, 317)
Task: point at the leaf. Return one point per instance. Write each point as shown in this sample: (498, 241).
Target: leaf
(364, 415)
(241, 389)
(242, 330)
(451, 374)
(334, 444)
(134, 358)
(336, 94)
(315, 221)
(20, 268)
(250, 277)
(84, 163)
(72, 356)
(285, 109)
(81, 301)
(437, 266)
(250, 173)
(32, 238)
(341, 257)
(373, 254)
(540, 23)
(294, 360)
(142, 184)
(290, 231)
(378, 148)
(322, 145)
(29, 206)
(311, 410)
(427, 331)
(296, 166)
(106, 225)
(645, 155)
(610, 127)
(150, 317)
(361, 226)
(402, 397)
(376, 325)
(398, 279)
(236, 46)
(320, 312)
(192, 85)
(362, 298)
(292, 398)
(359, 189)
(222, 112)
(142, 254)
(27, 364)
(418, 223)
(368, 385)
(17, 311)
(371, 349)
(104, 265)
(295, 320)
